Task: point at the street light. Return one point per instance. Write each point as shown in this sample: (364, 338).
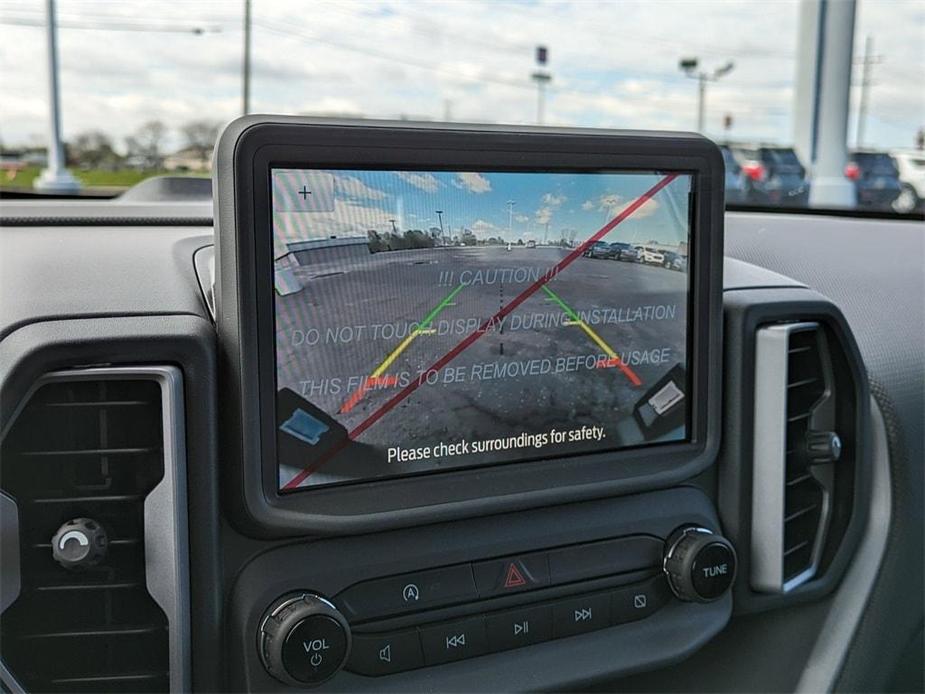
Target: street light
(689, 67)
(542, 78)
(55, 178)
(510, 217)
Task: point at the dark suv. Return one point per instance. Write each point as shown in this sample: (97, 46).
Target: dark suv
(773, 175)
(876, 179)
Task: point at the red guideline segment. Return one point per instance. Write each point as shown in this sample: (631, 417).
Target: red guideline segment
(483, 328)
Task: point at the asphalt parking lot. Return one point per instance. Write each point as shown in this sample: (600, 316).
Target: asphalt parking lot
(539, 368)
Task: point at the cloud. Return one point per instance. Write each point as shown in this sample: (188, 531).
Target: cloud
(544, 215)
(480, 226)
(623, 78)
(553, 200)
(472, 181)
(521, 218)
(588, 205)
(614, 204)
(425, 181)
(355, 188)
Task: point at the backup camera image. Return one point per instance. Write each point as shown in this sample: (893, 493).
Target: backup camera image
(433, 320)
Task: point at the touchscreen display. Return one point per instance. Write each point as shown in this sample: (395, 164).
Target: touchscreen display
(435, 320)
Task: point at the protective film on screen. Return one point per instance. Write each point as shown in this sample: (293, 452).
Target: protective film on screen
(433, 320)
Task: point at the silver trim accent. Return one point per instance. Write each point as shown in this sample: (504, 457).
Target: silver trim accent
(769, 463)
(9, 551)
(827, 658)
(165, 511)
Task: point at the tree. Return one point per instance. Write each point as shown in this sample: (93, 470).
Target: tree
(146, 144)
(199, 136)
(93, 150)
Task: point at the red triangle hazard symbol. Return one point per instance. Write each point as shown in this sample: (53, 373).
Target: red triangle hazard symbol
(514, 579)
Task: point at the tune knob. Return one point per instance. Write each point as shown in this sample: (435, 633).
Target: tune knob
(699, 564)
(303, 639)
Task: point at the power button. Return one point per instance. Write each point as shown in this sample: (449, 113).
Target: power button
(314, 649)
(303, 639)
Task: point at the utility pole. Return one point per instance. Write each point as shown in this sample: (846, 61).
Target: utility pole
(510, 217)
(55, 178)
(542, 78)
(394, 228)
(246, 67)
(440, 219)
(866, 83)
(447, 110)
(689, 68)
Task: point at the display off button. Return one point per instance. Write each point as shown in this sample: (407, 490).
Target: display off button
(455, 640)
(638, 600)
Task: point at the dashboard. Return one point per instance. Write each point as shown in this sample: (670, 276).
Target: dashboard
(292, 446)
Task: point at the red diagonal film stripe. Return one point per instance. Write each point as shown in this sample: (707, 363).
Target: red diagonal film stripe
(483, 328)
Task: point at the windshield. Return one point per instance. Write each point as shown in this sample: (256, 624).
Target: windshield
(144, 87)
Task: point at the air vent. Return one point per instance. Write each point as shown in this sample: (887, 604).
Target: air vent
(89, 448)
(796, 450)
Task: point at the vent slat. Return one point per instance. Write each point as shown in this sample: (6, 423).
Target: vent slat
(99, 403)
(802, 512)
(802, 494)
(88, 499)
(89, 449)
(91, 633)
(90, 586)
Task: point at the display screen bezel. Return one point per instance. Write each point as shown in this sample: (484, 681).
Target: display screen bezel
(387, 502)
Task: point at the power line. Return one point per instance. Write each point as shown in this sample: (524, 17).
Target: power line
(114, 26)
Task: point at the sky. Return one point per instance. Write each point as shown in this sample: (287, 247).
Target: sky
(613, 64)
(348, 203)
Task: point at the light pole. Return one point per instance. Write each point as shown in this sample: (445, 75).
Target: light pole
(510, 218)
(55, 178)
(440, 219)
(689, 67)
(246, 64)
(542, 78)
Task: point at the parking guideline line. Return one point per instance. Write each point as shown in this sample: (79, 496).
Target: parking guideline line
(627, 371)
(472, 337)
(422, 325)
(375, 376)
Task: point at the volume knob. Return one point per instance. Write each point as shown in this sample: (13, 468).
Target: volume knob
(700, 565)
(303, 639)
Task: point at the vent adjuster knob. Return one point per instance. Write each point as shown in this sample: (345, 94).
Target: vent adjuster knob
(821, 447)
(79, 544)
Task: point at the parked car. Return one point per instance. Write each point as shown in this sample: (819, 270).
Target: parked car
(674, 261)
(531, 243)
(876, 179)
(773, 175)
(911, 167)
(650, 255)
(619, 250)
(735, 178)
(599, 249)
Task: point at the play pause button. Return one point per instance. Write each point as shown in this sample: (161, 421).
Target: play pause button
(516, 628)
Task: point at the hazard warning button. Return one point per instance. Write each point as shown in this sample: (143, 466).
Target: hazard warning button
(511, 574)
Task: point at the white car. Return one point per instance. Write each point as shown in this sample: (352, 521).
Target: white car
(649, 254)
(911, 166)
